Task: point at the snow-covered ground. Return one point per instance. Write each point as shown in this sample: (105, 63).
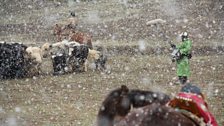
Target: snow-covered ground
(138, 55)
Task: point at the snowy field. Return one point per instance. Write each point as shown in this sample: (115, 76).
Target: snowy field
(74, 99)
(120, 27)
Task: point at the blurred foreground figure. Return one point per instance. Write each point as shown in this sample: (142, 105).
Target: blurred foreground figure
(190, 99)
(125, 107)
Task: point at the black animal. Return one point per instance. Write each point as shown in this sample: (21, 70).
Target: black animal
(156, 115)
(78, 57)
(101, 62)
(13, 62)
(59, 63)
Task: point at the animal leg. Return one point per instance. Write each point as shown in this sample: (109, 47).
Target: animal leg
(60, 38)
(39, 70)
(85, 65)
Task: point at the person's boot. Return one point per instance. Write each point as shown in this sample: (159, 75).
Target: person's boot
(182, 79)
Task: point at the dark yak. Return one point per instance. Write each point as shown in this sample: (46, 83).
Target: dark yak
(76, 60)
(13, 61)
(59, 63)
(78, 57)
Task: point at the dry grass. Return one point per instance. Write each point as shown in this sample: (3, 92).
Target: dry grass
(74, 99)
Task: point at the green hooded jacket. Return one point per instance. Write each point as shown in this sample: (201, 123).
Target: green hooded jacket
(183, 66)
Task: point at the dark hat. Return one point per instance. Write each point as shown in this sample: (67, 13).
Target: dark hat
(72, 14)
(189, 88)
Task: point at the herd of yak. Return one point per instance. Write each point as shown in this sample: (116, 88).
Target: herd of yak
(150, 108)
(18, 60)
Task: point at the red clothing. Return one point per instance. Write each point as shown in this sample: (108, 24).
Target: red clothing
(195, 104)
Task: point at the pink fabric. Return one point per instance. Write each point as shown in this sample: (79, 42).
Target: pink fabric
(208, 117)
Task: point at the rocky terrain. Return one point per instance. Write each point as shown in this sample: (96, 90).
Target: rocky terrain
(123, 20)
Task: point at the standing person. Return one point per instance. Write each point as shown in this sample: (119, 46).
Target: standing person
(182, 58)
(63, 29)
(72, 22)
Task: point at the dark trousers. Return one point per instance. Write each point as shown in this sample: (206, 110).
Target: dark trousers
(182, 79)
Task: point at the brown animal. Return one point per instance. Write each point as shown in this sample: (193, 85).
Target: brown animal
(57, 31)
(65, 32)
(82, 38)
(61, 32)
(116, 103)
(156, 115)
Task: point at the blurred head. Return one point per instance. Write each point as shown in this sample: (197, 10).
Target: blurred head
(117, 102)
(184, 36)
(45, 48)
(189, 88)
(72, 14)
(94, 54)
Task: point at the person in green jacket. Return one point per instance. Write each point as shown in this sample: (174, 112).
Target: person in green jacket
(183, 66)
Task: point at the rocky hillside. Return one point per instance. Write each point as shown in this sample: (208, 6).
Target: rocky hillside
(122, 20)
